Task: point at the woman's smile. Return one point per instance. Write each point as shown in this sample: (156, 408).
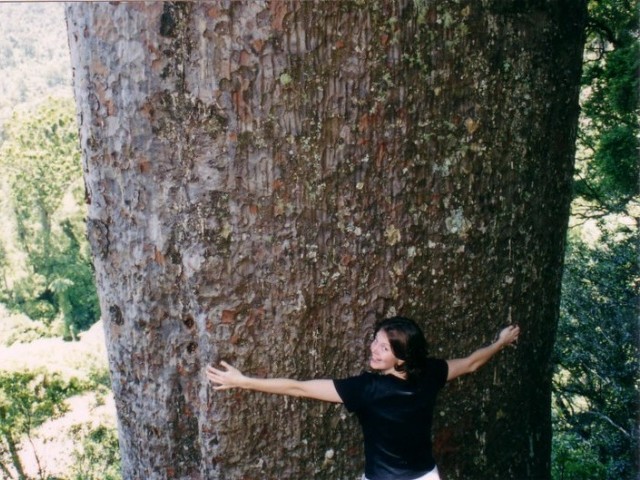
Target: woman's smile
(382, 357)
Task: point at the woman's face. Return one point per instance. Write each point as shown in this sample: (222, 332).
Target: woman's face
(382, 357)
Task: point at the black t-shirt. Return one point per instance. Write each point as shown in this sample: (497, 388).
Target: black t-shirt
(396, 417)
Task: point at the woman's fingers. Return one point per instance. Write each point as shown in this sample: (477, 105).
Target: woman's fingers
(513, 332)
(223, 378)
(509, 335)
(221, 387)
(215, 375)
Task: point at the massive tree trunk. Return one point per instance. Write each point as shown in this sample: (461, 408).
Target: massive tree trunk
(266, 179)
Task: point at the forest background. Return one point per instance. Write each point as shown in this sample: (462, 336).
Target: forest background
(57, 418)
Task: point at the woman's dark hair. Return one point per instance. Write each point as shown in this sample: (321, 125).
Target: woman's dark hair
(407, 343)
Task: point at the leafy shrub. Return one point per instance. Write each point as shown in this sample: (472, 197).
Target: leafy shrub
(573, 458)
(98, 457)
(27, 399)
(18, 328)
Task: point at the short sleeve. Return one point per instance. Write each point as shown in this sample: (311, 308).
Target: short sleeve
(353, 391)
(437, 371)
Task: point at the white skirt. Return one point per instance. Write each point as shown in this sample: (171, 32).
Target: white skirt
(432, 475)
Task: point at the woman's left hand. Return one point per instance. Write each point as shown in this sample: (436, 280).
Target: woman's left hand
(509, 335)
(231, 377)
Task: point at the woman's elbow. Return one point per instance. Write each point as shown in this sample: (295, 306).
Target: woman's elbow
(473, 367)
(295, 390)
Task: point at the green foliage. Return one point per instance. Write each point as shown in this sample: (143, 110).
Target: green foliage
(608, 140)
(98, 458)
(27, 399)
(596, 389)
(574, 458)
(42, 160)
(41, 157)
(21, 330)
(100, 379)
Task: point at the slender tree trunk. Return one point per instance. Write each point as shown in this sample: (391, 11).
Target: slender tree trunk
(266, 179)
(5, 471)
(15, 456)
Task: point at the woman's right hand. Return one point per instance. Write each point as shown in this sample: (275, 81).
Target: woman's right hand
(231, 377)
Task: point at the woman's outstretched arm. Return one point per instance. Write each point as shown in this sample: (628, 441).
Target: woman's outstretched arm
(231, 377)
(462, 366)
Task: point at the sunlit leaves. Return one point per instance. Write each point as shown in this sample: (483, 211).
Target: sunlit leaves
(41, 158)
(28, 399)
(98, 457)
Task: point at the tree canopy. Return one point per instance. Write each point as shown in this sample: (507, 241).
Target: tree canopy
(41, 158)
(596, 387)
(608, 140)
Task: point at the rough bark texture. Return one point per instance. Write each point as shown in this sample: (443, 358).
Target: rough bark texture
(266, 179)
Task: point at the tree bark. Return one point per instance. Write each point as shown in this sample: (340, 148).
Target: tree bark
(266, 179)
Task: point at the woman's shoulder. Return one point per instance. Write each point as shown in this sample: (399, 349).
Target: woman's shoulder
(435, 362)
(369, 383)
(363, 376)
(436, 370)
(355, 391)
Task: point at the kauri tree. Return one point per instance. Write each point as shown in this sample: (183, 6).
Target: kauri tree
(267, 178)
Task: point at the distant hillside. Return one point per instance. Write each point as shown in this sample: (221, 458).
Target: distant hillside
(34, 54)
